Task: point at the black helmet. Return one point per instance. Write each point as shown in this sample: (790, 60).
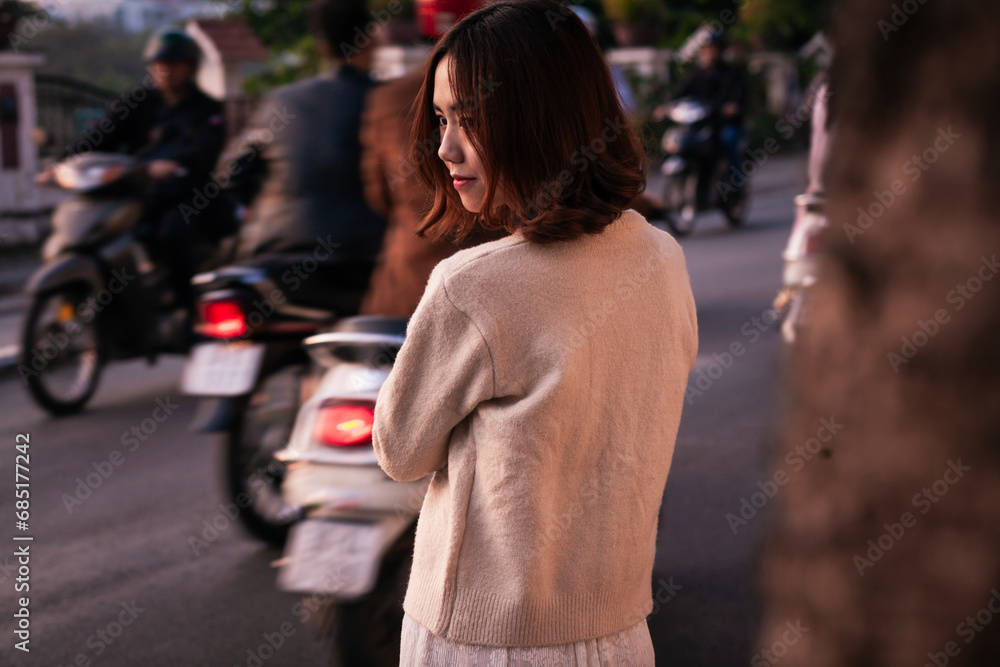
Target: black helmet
(172, 45)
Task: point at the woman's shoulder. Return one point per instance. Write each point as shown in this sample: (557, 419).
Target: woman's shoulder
(513, 255)
(474, 279)
(485, 257)
(497, 271)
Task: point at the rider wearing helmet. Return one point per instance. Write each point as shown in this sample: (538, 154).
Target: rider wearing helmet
(722, 85)
(181, 124)
(178, 131)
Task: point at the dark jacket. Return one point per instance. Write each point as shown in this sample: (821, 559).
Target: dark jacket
(192, 133)
(717, 85)
(307, 142)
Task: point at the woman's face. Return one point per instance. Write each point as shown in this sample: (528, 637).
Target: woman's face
(459, 156)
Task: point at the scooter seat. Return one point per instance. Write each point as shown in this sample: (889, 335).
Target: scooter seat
(369, 339)
(394, 326)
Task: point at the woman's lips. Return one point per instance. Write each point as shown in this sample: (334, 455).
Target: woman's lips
(460, 182)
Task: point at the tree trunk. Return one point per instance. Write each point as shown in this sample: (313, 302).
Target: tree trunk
(886, 546)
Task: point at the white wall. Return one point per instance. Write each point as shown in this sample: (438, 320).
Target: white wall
(17, 190)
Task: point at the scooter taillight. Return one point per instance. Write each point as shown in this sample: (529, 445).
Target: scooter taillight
(222, 319)
(345, 424)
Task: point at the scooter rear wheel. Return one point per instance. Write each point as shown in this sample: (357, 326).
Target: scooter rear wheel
(61, 357)
(253, 475)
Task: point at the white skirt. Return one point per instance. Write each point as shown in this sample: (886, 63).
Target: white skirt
(631, 647)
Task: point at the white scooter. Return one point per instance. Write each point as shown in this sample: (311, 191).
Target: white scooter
(354, 545)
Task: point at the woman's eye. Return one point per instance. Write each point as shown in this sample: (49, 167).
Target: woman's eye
(441, 121)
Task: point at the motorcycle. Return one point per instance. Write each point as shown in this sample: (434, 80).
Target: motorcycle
(354, 544)
(801, 257)
(696, 161)
(99, 296)
(250, 369)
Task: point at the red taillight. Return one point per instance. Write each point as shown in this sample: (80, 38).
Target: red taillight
(223, 319)
(344, 425)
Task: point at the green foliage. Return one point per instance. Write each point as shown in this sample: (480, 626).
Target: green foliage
(408, 11)
(298, 62)
(280, 25)
(637, 12)
(785, 24)
(677, 19)
(777, 24)
(97, 53)
(283, 27)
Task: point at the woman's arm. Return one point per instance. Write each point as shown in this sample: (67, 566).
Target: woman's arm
(443, 371)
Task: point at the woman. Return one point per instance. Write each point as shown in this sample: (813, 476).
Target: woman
(543, 375)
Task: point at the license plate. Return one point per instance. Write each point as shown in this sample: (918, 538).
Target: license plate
(222, 369)
(337, 557)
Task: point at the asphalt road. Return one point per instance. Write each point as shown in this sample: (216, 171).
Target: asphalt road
(116, 581)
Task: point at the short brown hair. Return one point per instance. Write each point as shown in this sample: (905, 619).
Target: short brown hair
(545, 119)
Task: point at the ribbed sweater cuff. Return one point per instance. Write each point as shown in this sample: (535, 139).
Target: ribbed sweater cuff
(483, 618)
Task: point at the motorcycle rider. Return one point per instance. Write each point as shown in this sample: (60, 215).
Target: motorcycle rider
(179, 132)
(723, 86)
(304, 148)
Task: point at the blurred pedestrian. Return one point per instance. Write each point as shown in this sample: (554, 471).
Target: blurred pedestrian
(392, 188)
(624, 89)
(645, 205)
(821, 129)
(543, 374)
(303, 146)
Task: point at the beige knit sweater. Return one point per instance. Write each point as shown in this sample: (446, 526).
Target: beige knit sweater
(542, 386)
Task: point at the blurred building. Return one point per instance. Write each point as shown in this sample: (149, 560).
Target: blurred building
(146, 15)
(22, 203)
(230, 52)
(394, 60)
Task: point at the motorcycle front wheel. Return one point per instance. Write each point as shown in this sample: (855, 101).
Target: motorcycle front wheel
(253, 476)
(61, 357)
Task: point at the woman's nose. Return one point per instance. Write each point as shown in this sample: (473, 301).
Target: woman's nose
(449, 150)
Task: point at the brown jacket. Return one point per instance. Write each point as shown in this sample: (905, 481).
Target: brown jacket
(391, 189)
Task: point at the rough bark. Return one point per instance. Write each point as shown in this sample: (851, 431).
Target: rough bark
(907, 420)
